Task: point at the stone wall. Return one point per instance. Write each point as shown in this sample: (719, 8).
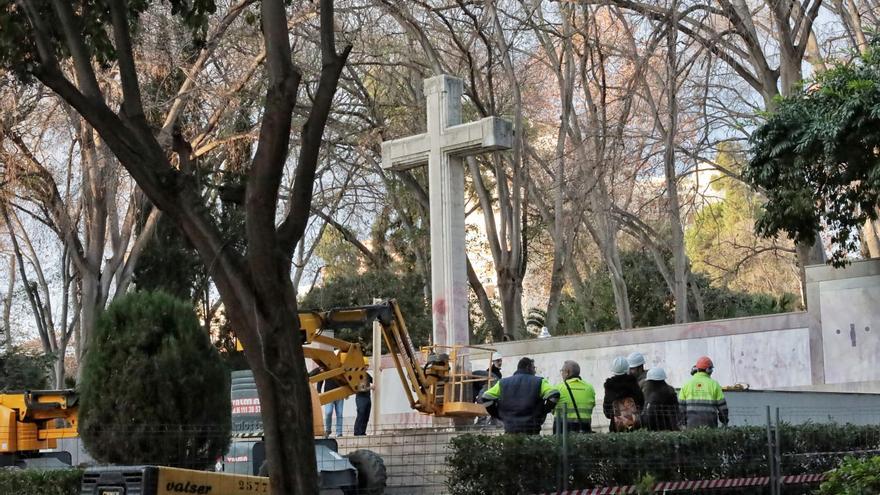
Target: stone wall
(831, 347)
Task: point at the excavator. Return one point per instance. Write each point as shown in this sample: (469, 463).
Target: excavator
(437, 381)
(31, 423)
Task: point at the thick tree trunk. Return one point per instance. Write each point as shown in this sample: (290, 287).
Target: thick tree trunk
(871, 238)
(510, 291)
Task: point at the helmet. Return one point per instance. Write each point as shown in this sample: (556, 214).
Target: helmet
(619, 366)
(656, 374)
(704, 364)
(636, 359)
(496, 356)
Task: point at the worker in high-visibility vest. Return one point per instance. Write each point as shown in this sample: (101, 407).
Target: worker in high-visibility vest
(701, 399)
(523, 400)
(576, 401)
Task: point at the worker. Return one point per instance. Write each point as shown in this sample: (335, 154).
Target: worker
(332, 407)
(636, 362)
(661, 402)
(576, 401)
(495, 367)
(623, 400)
(701, 401)
(364, 402)
(523, 400)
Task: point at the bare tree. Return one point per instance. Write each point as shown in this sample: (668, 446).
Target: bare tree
(259, 297)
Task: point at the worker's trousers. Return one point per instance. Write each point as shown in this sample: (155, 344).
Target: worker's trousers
(328, 417)
(364, 406)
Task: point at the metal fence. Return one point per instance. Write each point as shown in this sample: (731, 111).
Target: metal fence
(415, 456)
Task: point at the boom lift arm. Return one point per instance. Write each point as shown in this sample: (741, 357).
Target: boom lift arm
(436, 380)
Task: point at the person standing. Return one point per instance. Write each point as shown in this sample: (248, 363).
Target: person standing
(623, 400)
(523, 400)
(661, 402)
(330, 408)
(636, 362)
(701, 400)
(364, 402)
(576, 401)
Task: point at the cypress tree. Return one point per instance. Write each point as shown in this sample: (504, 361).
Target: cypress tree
(154, 390)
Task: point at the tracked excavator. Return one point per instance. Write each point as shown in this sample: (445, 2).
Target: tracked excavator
(436, 380)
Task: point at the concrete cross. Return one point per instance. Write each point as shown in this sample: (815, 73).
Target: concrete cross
(443, 148)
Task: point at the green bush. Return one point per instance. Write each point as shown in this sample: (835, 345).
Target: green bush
(154, 389)
(503, 464)
(33, 482)
(24, 370)
(854, 477)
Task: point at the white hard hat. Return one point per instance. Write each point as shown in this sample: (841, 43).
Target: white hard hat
(636, 359)
(656, 374)
(619, 366)
(496, 356)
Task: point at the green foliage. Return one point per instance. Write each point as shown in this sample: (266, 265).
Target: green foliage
(153, 389)
(721, 243)
(24, 370)
(37, 482)
(853, 477)
(169, 263)
(357, 289)
(532, 464)
(18, 47)
(652, 303)
(818, 157)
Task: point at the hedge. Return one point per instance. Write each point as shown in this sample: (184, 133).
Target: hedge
(481, 464)
(35, 482)
(854, 477)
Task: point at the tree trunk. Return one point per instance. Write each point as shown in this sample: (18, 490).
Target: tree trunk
(871, 238)
(673, 205)
(492, 321)
(557, 283)
(618, 287)
(510, 290)
(7, 304)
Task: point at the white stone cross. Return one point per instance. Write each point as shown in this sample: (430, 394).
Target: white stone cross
(443, 148)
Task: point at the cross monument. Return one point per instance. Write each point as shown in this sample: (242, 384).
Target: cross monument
(443, 148)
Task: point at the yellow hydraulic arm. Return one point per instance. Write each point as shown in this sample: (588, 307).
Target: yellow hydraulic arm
(436, 380)
(31, 421)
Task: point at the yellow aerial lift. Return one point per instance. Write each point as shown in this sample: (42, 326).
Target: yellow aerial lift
(32, 422)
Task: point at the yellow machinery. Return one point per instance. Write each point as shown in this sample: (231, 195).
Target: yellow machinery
(437, 380)
(34, 421)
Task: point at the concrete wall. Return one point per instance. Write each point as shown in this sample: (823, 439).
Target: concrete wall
(831, 347)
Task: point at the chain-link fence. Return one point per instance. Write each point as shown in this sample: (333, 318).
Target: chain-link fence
(787, 451)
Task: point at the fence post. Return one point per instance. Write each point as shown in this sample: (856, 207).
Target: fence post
(777, 458)
(563, 427)
(771, 456)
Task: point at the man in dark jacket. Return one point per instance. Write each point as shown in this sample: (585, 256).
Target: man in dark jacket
(661, 402)
(623, 400)
(523, 400)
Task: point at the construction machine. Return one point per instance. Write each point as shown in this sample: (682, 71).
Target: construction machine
(32, 422)
(436, 380)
